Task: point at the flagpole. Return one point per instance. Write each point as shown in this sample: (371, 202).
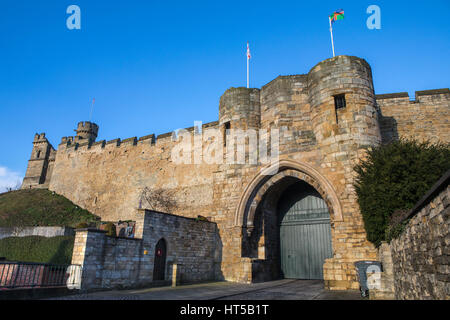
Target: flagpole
(248, 78)
(331, 31)
(92, 109)
(248, 66)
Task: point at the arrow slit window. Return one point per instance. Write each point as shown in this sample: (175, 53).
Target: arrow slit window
(339, 103)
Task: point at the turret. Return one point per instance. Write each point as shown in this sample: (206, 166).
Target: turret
(86, 131)
(342, 102)
(239, 108)
(40, 164)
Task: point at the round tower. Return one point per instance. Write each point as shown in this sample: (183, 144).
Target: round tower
(87, 131)
(342, 102)
(345, 123)
(239, 108)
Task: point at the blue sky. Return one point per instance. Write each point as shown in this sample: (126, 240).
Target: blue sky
(155, 66)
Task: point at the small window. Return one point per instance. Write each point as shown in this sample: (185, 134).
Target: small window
(339, 101)
(226, 127)
(38, 154)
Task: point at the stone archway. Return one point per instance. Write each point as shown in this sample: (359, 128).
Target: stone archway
(258, 215)
(254, 192)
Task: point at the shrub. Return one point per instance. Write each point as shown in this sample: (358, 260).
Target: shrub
(82, 225)
(110, 229)
(54, 250)
(394, 177)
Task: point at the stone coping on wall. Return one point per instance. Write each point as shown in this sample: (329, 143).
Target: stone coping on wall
(54, 231)
(441, 184)
(392, 95)
(90, 230)
(433, 92)
(103, 231)
(174, 215)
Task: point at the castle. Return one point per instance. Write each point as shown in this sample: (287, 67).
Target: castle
(301, 221)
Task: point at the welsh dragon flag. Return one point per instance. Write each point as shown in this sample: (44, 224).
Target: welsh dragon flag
(337, 15)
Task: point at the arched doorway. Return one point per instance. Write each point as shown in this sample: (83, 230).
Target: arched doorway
(287, 223)
(159, 269)
(305, 232)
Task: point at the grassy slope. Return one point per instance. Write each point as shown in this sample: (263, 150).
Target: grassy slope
(40, 207)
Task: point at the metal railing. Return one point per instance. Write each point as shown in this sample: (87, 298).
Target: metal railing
(39, 275)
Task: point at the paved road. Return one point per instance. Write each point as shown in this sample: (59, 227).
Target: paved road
(285, 289)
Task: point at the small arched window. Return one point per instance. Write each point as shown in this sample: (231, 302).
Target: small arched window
(38, 154)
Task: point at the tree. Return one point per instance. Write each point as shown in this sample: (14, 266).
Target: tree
(393, 178)
(17, 186)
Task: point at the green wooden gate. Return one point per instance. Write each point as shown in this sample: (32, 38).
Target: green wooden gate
(305, 235)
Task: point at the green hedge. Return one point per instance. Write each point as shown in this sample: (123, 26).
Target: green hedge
(54, 250)
(394, 178)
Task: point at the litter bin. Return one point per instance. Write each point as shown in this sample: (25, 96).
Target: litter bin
(361, 269)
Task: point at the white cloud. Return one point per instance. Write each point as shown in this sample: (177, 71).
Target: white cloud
(9, 179)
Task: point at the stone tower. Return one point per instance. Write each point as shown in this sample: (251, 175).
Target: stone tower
(345, 123)
(239, 108)
(343, 108)
(40, 164)
(86, 131)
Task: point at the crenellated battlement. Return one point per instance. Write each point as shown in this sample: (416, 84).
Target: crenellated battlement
(420, 96)
(72, 144)
(87, 126)
(40, 138)
(423, 118)
(86, 131)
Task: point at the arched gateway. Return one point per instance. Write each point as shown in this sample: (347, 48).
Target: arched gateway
(286, 220)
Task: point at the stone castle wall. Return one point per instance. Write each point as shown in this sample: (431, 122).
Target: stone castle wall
(416, 265)
(317, 142)
(111, 176)
(420, 256)
(425, 118)
(108, 262)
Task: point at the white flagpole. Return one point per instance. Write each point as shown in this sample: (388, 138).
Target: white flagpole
(248, 78)
(248, 67)
(92, 109)
(331, 31)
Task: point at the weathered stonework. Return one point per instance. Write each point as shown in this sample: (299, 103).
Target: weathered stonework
(417, 264)
(318, 144)
(110, 262)
(421, 255)
(383, 282)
